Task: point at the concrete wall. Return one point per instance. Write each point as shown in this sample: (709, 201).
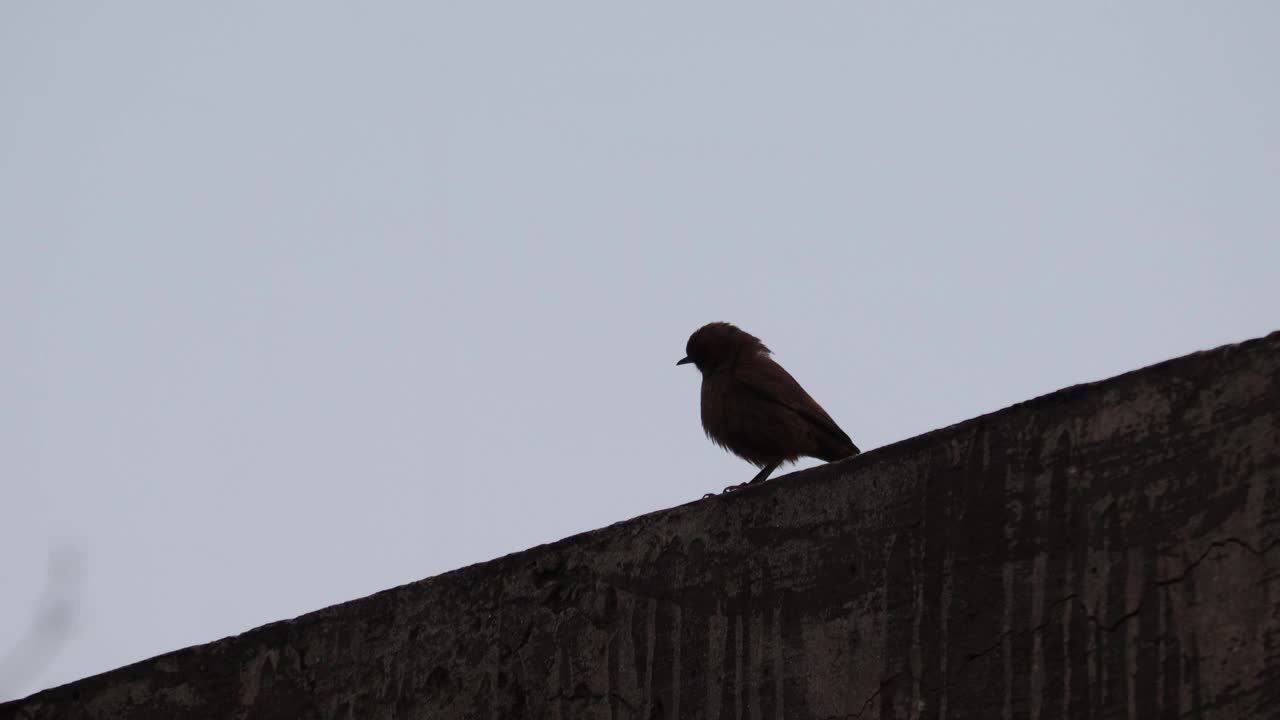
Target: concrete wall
(1110, 550)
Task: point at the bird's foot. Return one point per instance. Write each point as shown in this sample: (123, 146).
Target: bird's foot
(759, 478)
(729, 489)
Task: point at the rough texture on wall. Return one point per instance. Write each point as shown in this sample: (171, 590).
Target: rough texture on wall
(1109, 550)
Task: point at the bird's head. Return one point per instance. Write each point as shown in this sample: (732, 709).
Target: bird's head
(718, 345)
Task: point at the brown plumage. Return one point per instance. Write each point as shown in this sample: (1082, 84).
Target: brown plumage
(755, 409)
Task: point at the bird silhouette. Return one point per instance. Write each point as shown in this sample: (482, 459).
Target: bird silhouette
(753, 408)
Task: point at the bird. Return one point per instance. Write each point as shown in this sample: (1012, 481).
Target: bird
(753, 408)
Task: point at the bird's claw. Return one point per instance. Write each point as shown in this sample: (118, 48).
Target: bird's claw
(727, 490)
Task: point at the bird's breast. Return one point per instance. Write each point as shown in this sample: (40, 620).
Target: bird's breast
(717, 405)
(730, 414)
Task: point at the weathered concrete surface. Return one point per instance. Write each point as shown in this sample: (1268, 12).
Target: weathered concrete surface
(1110, 550)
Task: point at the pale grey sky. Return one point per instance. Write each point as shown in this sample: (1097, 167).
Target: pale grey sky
(304, 300)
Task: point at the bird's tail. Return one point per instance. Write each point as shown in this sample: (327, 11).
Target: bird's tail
(837, 449)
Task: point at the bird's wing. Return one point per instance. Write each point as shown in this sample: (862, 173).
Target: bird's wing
(772, 383)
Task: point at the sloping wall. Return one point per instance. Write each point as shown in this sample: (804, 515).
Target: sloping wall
(1111, 549)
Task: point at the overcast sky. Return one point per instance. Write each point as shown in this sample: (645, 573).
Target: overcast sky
(304, 300)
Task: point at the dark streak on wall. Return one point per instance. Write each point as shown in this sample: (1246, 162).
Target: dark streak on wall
(1109, 550)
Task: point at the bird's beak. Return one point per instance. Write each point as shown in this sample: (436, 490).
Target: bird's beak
(684, 361)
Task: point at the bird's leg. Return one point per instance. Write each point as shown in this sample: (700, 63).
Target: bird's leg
(761, 476)
(765, 472)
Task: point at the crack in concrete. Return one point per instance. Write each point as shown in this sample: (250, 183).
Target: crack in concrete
(1215, 545)
(883, 684)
